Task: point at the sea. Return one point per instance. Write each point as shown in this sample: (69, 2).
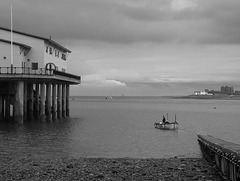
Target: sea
(124, 127)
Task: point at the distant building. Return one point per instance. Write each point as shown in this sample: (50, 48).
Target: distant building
(227, 90)
(201, 93)
(237, 92)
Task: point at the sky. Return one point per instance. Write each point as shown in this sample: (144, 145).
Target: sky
(139, 47)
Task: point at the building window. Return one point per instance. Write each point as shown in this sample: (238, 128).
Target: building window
(34, 66)
(50, 50)
(56, 53)
(46, 49)
(63, 56)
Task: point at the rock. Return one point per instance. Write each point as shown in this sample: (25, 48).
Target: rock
(70, 165)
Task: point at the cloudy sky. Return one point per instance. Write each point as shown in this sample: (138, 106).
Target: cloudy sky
(139, 47)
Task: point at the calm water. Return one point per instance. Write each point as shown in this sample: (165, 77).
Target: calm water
(123, 127)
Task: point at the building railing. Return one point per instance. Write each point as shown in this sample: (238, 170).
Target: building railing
(56, 72)
(40, 71)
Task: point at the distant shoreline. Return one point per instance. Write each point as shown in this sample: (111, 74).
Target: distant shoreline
(214, 97)
(201, 97)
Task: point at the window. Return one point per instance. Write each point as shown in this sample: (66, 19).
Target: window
(63, 56)
(56, 53)
(46, 49)
(50, 50)
(34, 66)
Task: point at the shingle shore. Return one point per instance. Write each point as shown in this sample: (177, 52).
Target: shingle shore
(172, 169)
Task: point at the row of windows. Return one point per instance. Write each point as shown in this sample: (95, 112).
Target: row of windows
(35, 67)
(50, 50)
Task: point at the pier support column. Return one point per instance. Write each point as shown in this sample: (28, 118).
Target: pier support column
(30, 101)
(36, 102)
(19, 103)
(48, 102)
(42, 102)
(1, 108)
(54, 102)
(67, 99)
(59, 101)
(25, 102)
(63, 100)
(7, 107)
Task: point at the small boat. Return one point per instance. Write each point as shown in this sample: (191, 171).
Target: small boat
(109, 97)
(167, 125)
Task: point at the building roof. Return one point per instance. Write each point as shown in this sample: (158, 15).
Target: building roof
(16, 43)
(42, 38)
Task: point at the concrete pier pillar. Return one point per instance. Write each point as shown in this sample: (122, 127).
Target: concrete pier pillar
(42, 102)
(36, 102)
(48, 102)
(1, 108)
(67, 99)
(59, 101)
(7, 107)
(19, 103)
(25, 101)
(54, 102)
(30, 101)
(63, 100)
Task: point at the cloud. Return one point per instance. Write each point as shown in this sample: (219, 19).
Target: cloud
(183, 4)
(138, 42)
(99, 80)
(127, 22)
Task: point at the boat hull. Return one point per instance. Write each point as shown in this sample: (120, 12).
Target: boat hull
(166, 126)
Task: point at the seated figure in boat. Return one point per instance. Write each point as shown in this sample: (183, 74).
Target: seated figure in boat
(164, 120)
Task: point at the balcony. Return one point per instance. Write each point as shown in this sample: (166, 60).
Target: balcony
(41, 74)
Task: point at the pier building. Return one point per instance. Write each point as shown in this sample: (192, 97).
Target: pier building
(34, 79)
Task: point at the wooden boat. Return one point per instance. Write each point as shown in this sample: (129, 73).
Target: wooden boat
(167, 125)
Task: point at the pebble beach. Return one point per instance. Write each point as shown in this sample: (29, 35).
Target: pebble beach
(65, 169)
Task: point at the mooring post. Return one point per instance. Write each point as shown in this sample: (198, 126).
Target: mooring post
(42, 102)
(63, 100)
(48, 102)
(19, 102)
(59, 101)
(67, 100)
(54, 105)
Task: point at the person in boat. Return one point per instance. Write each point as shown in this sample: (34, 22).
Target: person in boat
(164, 120)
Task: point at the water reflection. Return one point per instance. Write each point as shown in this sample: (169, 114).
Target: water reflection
(36, 139)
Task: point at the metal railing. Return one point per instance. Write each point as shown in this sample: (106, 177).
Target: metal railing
(56, 72)
(30, 71)
(25, 71)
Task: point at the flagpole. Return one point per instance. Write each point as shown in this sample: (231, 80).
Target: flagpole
(11, 41)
